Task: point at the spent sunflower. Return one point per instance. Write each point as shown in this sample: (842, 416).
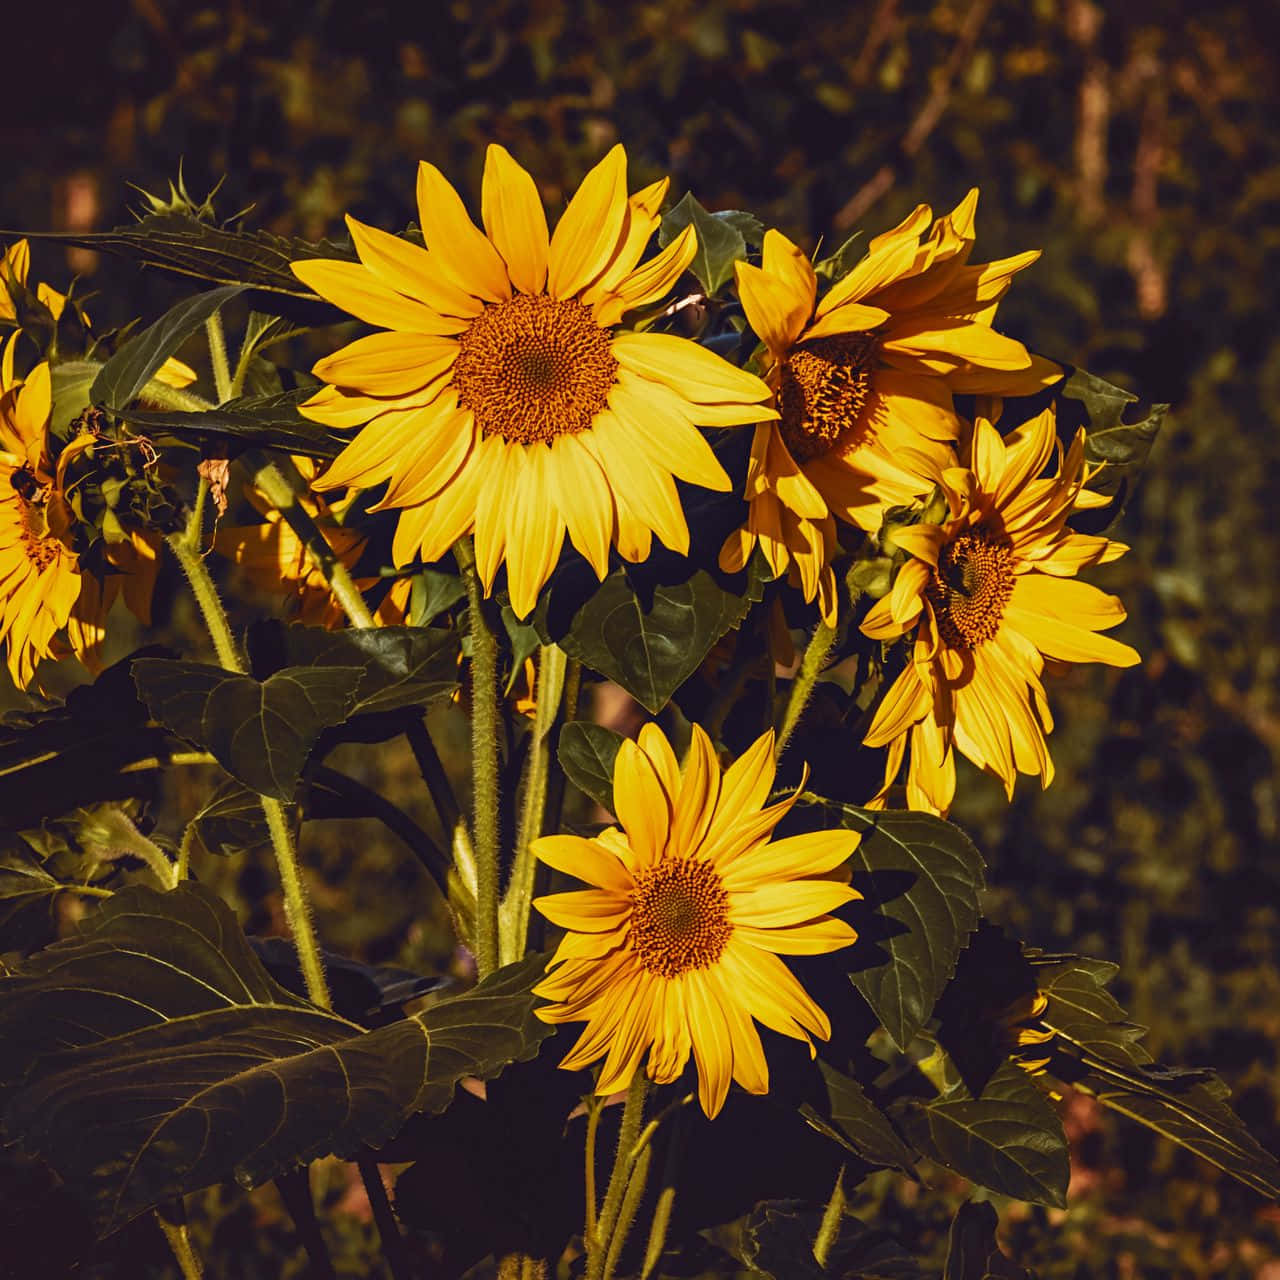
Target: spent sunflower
(863, 379)
(988, 596)
(504, 398)
(675, 948)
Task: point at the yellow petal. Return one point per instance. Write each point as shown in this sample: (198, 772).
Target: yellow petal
(642, 806)
(581, 492)
(669, 439)
(584, 860)
(653, 742)
(648, 490)
(687, 368)
(443, 445)
(462, 250)
(388, 364)
(812, 854)
(791, 902)
(712, 1043)
(777, 308)
(812, 938)
(584, 910)
(699, 788)
(353, 288)
(515, 219)
(409, 269)
(589, 230)
(535, 530)
(652, 281)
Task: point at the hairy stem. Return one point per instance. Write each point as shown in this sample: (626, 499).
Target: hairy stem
(218, 357)
(595, 1105)
(484, 761)
(829, 1231)
(628, 1132)
(815, 657)
(627, 1213)
(666, 1200)
(173, 1222)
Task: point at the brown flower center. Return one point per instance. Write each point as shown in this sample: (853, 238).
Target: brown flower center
(40, 546)
(533, 368)
(970, 588)
(679, 916)
(824, 389)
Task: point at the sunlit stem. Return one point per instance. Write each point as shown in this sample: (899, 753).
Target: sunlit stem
(628, 1131)
(815, 657)
(595, 1105)
(218, 357)
(297, 907)
(513, 915)
(173, 1223)
(833, 1215)
(284, 496)
(484, 760)
(627, 1214)
(167, 397)
(163, 762)
(182, 868)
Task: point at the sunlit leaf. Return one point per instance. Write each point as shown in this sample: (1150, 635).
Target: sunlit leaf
(722, 239)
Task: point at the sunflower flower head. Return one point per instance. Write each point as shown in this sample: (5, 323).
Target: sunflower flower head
(863, 379)
(987, 596)
(502, 398)
(675, 947)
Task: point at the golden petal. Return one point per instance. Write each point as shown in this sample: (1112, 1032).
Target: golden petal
(515, 219)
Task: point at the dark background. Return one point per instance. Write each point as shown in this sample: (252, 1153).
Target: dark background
(1136, 144)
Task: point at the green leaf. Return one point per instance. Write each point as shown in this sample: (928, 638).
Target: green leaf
(721, 239)
(193, 247)
(972, 1251)
(132, 367)
(260, 732)
(231, 822)
(152, 1056)
(394, 666)
(27, 892)
(857, 1124)
(1008, 1140)
(586, 753)
(923, 876)
(1123, 446)
(524, 644)
(778, 1241)
(433, 592)
(71, 381)
(266, 422)
(651, 643)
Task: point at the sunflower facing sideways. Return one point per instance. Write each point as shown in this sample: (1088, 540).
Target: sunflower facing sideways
(503, 398)
(863, 378)
(988, 596)
(675, 948)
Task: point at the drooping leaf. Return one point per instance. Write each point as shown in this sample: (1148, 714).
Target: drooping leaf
(265, 422)
(1123, 446)
(586, 753)
(922, 876)
(1008, 1140)
(972, 1251)
(132, 367)
(260, 732)
(853, 1120)
(231, 822)
(778, 1241)
(722, 239)
(152, 1055)
(394, 666)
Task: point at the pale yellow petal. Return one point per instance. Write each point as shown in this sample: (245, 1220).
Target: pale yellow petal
(515, 219)
(464, 253)
(591, 228)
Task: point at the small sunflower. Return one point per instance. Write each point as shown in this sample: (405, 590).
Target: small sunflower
(14, 269)
(676, 947)
(988, 596)
(503, 397)
(863, 379)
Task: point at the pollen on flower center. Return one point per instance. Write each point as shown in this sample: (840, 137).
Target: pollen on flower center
(41, 549)
(679, 916)
(533, 368)
(970, 588)
(824, 389)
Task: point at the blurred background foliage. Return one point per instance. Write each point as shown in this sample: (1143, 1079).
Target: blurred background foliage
(1136, 144)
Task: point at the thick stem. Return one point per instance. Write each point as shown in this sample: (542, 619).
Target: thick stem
(284, 497)
(513, 915)
(829, 1231)
(218, 357)
(628, 1132)
(484, 761)
(393, 1249)
(173, 1222)
(815, 657)
(630, 1205)
(297, 909)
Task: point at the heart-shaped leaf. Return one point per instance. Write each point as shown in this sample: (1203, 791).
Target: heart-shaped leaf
(152, 1055)
(722, 239)
(260, 732)
(232, 822)
(586, 753)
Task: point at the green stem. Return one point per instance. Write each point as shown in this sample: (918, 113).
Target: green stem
(595, 1105)
(90, 890)
(628, 1132)
(433, 774)
(484, 761)
(167, 397)
(815, 657)
(163, 762)
(666, 1200)
(829, 1231)
(182, 868)
(284, 496)
(297, 908)
(513, 914)
(627, 1214)
(173, 1222)
(218, 357)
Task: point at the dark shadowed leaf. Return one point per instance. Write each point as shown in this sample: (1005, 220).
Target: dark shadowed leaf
(923, 877)
(854, 1121)
(266, 422)
(1123, 446)
(722, 239)
(232, 822)
(133, 366)
(778, 1241)
(260, 732)
(27, 892)
(1008, 1140)
(152, 1055)
(394, 666)
(972, 1251)
(587, 752)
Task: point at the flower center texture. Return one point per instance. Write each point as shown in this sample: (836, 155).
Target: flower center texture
(679, 916)
(824, 389)
(970, 588)
(533, 368)
(41, 549)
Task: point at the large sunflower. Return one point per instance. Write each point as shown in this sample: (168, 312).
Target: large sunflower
(503, 398)
(864, 378)
(988, 596)
(676, 947)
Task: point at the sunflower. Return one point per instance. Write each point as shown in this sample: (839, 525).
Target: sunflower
(988, 596)
(863, 379)
(504, 398)
(14, 268)
(276, 560)
(676, 946)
